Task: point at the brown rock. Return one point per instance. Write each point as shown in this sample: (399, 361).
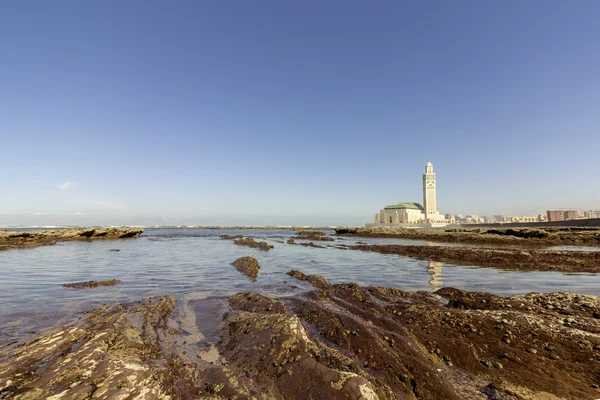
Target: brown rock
(313, 235)
(518, 236)
(346, 341)
(256, 303)
(248, 266)
(503, 258)
(250, 242)
(316, 280)
(91, 284)
(14, 240)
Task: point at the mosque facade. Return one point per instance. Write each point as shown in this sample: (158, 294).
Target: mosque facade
(414, 214)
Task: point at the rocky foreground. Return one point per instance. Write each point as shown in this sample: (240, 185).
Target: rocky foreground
(21, 240)
(510, 236)
(335, 342)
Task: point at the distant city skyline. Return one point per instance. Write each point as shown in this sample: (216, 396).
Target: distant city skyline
(294, 113)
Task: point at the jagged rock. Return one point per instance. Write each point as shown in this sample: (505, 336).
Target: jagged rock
(346, 341)
(248, 266)
(12, 240)
(311, 244)
(515, 236)
(316, 280)
(250, 242)
(505, 258)
(313, 235)
(91, 284)
(256, 303)
(108, 356)
(228, 237)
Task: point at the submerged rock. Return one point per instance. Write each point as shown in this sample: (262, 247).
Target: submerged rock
(250, 242)
(91, 284)
(316, 280)
(311, 244)
(248, 266)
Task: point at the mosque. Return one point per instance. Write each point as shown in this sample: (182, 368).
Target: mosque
(411, 214)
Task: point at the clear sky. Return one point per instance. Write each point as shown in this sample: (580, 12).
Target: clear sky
(294, 112)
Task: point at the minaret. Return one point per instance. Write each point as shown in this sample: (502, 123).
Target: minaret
(429, 191)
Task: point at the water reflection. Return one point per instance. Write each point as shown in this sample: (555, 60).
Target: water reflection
(435, 270)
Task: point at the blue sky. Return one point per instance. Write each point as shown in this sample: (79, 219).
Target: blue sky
(294, 112)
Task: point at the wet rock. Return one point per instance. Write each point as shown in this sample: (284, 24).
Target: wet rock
(294, 365)
(549, 236)
(344, 341)
(110, 355)
(531, 350)
(91, 284)
(311, 244)
(250, 242)
(13, 240)
(510, 259)
(316, 280)
(228, 237)
(248, 266)
(256, 303)
(313, 235)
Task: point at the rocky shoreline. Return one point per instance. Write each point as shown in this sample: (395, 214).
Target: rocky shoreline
(507, 259)
(507, 236)
(338, 341)
(22, 240)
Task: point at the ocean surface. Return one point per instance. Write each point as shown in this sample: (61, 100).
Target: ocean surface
(196, 263)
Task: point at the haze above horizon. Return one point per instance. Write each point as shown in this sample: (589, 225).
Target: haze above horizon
(294, 113)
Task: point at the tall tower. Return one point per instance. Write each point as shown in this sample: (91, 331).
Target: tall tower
(429, 190)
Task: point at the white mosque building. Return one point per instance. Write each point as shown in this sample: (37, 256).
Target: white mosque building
(411, 214)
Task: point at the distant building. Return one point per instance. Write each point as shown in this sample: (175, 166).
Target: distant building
(401, 213)
(555, 215)
(410, 213)
(563, 215)
(591, 214)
